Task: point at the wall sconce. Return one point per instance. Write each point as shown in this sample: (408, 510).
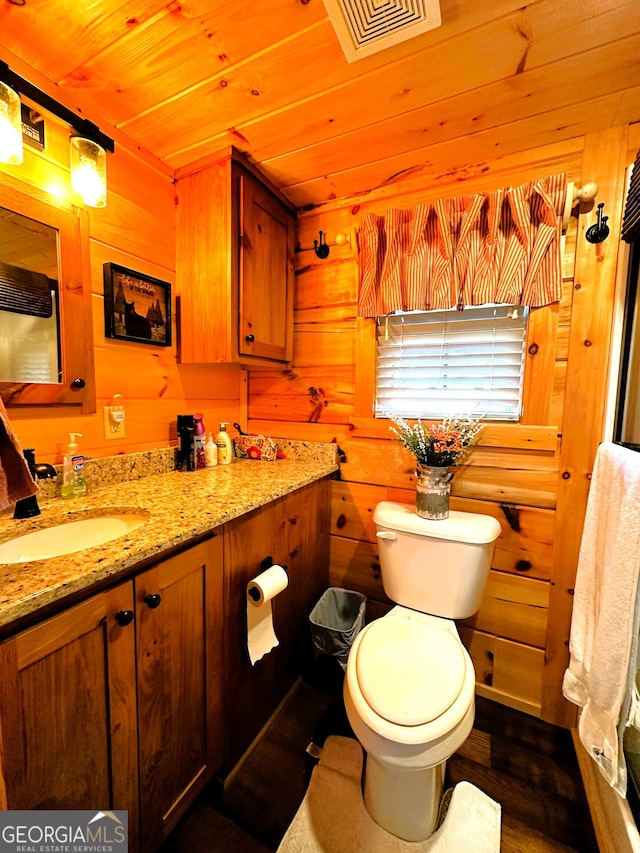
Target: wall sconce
(89, 144)
(88, 162)
(10, 126)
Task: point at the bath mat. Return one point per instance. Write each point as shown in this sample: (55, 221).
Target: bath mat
(207, 829)
(333, 819)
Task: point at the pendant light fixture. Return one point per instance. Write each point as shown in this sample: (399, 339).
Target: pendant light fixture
(88, 145)
(10, 126)
(88, 163)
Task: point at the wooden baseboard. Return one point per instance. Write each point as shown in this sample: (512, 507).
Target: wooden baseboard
(254, 743)
(615, 827)
(504, 698)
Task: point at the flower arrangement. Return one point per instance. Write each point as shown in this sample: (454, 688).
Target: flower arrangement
(438, 445)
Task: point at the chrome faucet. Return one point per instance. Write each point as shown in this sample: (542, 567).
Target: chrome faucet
(28, 507)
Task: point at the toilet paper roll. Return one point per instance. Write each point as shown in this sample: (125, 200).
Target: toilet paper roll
(261, 637)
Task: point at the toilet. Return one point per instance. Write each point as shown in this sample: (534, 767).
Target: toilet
(410, 684)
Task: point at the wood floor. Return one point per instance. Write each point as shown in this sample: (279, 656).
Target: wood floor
(528, 766)
(531, 769)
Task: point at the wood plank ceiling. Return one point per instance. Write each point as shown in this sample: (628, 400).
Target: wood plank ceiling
(188, 77)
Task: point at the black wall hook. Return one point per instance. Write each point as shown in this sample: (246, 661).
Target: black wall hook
(321, 249)
(600, 231)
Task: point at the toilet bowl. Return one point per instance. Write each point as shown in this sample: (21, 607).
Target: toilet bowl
(409, 695)
(409, 690)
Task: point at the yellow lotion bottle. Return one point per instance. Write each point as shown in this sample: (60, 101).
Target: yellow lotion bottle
(73, 482)
(225, 445)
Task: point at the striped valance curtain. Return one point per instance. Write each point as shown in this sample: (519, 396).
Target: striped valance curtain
(499, 247)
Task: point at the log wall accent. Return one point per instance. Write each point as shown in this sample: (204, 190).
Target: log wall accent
(516, 472)
(604, 160)
(135, 230)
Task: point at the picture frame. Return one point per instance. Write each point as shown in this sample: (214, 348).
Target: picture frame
(137, 306)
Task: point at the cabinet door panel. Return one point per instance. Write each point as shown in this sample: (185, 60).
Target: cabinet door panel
(208, 304)
(67, 706)
(294, 531)
(266, 258)
(250, 691)
(302, 544)
(178, 649)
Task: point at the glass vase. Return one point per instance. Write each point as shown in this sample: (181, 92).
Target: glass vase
(433, 488)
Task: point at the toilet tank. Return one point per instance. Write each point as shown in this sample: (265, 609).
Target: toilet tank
(438, 567)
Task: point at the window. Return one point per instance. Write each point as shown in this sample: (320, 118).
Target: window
(434, 364)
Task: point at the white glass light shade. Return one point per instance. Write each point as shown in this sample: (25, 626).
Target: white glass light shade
(10, 126)
(88, 172)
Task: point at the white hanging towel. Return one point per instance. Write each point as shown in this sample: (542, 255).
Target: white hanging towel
(604, 622)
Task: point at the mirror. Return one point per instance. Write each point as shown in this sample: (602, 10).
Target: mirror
(29, 339)
(44, 257)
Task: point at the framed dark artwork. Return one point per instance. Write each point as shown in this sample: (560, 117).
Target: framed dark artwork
(137, 307)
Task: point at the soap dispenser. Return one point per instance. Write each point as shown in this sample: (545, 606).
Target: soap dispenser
(73, 482)
(225, 445)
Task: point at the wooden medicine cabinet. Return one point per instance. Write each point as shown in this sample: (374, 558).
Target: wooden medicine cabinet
(234, 266)
(46, 361)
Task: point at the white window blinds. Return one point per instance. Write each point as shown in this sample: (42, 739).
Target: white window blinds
(432, 364)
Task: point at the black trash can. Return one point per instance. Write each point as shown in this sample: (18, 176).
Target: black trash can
(335, 622)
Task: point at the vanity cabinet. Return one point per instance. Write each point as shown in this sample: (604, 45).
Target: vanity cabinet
(68, 724)
(179, 667)
(294, 533)
(234, 266)
(116, 703)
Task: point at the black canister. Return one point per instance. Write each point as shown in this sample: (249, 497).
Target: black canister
(186, 444)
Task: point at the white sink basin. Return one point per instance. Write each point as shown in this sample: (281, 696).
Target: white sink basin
(69, 537)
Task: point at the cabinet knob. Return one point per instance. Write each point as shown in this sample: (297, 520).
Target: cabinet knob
(250, 339)
(152, 600)
(124, 617)
(78, 383)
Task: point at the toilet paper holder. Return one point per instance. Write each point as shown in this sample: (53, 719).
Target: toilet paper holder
(265, 564)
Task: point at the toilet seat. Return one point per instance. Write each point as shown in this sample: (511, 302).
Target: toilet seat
(411, 736)
(409, 672)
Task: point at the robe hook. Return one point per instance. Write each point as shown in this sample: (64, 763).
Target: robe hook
(600, 231)
(321, 249)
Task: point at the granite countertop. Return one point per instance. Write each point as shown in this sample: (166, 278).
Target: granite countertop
(180, 507)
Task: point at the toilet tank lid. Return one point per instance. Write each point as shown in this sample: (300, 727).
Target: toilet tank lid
(469, 527)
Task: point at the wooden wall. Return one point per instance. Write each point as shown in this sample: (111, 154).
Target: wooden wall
(136, 230)
(533, 476)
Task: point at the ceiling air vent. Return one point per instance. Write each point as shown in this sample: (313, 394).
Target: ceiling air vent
(365, 27)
